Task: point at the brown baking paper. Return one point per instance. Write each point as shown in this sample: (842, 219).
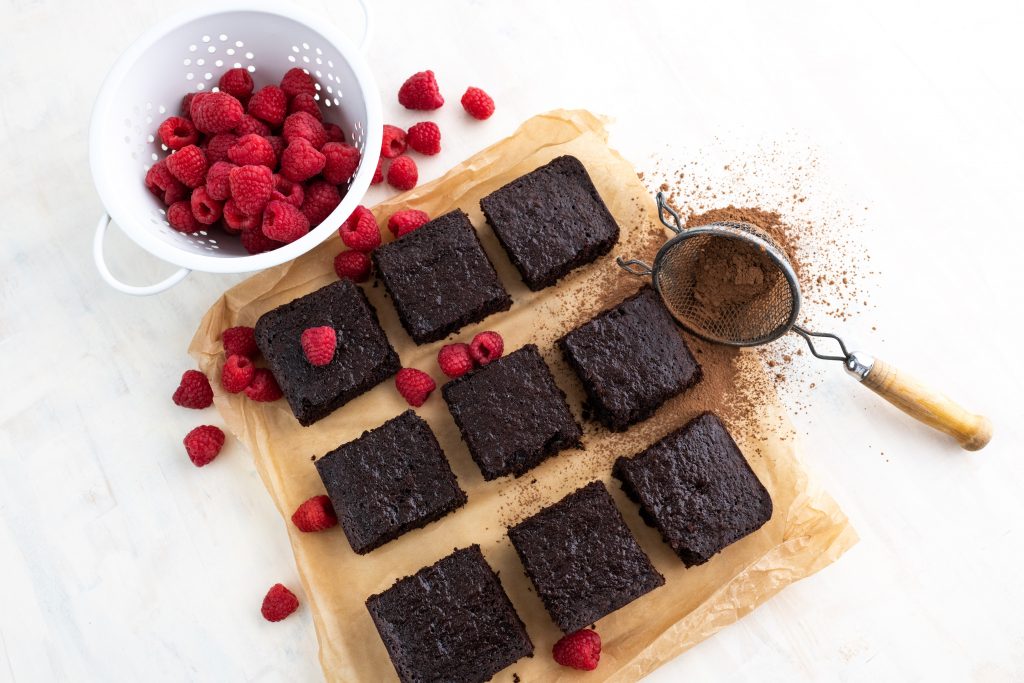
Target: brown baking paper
(806, 532)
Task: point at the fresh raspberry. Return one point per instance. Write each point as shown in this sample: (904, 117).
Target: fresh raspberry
(407, 220)
(264, 387)
(254, 150)
(580, 650)
(255, 242)
(162, 183)
(393, 143)
(251, 124)
(278, 143)
(455, 360)
(287, 191)
(179, 216)
(321, 199)
(205, 209)
(414, 386)
(378, 174)
(270, 105)
(354, 265)
(477, 103)
(360, 231)
(239, 220)
(296, 82)
(251, 187)
(218, 145)
(305, 126)
(177, 132)
(240, 341)
(424, 138)
(420, 92)
(307, 103)
(188, 165)
(318, 343)
(334, 132)
(236, 82)
(284, 222)
(194, 391)
(301, 160)
(278, 603)
(194, 102)
(218, 112)
(486, 347)
(341, 164)
(186, 104)
(217, 186)
(316, 514)
(203, 444)
(402, 173)
(237, 373)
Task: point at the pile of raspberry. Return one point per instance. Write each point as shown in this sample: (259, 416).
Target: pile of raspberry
(260, 164)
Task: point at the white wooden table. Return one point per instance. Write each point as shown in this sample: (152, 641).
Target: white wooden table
(121, 561)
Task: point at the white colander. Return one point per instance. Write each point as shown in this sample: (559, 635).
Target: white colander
(187, 53)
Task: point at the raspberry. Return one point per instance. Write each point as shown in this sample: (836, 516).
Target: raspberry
(278, 143)
(378, 175)
(239, 220)
(354, 265)
(217, 112)
(477, 103)
(203, 444)
(236, 82)
(301, 160)
(269, 105)
(188, 165)
(218, 146)
(236, 374)
(179, 216)
(318, 343)
(194, 391)
(334, 132)
(255, 242)
(186, 104)
(278, 603)
(217, 186)
(342, 162)
(284, 222)
(454, 360)
(205, 209)
(360, 231)
(420, 92)
(407, 220)
(305, 126)
(402, 174)
(580, 650)
(486, 347)
(296, 82)
(287, 191)
(393, 142)
(316, 514)
(194, 102)
(251, 124)
(253, 150)
(263, 387)
(424, 138)
(307, 103)
(177, 132)
(414, 386)
(320, 200)
(251, 187)
(163, 184)
(240, 341)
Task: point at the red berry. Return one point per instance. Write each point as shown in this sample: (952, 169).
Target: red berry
(301, 160)
(205, 209)
(402, 174)
(252, 149)
(264, 387)
(287, 191)
(236, 82)
(194, 391)
(420, 91)
(251, 125)
(186, 104)
(239, 220)
(296, 82)
(455, 360)
(269, 104)
(179, 216)
(203, 444)
(424, 138)
(316, 514)
(477, 103)
(284, 222)
(354, 265)
(188, 165)
(414, 386)
(216, 112)
(278, 603)
(341, 164)
(334, 132)
(177, 132)
(407, 220)
(218, 145)
(162, 183)
(360, 231)
(307, 103)
(240, 341)
(251, 187)
(321, 198)
(237, 374)
(486, 347)
(255, 242)
(318, 344)
(393, 142)
(278, 143)
(305, 126)
(217, 185)
(378, 174)
(580, 650)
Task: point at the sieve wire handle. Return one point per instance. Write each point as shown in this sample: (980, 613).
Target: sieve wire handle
(137, 290)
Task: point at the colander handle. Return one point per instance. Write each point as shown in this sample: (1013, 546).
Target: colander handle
(364, 41)
(101, 266)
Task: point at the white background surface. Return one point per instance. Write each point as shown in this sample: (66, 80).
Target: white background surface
(121, 561)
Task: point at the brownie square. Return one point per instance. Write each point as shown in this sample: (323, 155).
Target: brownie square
(364, 357)
(630, 359)
(451, 621)
(439, 278)
(582, 558)
(551, 221)
(390, 480)
(697, 489)
(511, 414)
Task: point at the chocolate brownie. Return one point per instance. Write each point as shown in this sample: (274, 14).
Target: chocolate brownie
(551, 221)
(511, 414)
(697, 489)
(364, 357)
(390, 480)
(631, 359)
(582, 558)
(451, 621)
(439, 278)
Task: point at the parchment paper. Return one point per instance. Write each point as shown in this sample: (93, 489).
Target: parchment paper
(806, 532)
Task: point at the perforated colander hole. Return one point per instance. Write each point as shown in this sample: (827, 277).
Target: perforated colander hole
(200, 62)
(212, 49)
(230, 51)
(189, 76)
(295, 49)
(200, 86)
(162, 109)
(249, 55)
(208, 75)
(193, 48)
(206, 39)
(305, 58)
(219, 63)
(291, 58)
(251, 69)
